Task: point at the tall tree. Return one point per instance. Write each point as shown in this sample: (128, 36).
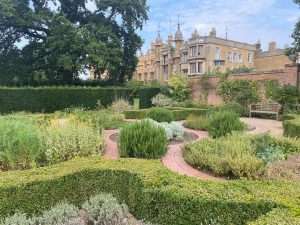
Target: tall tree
(294, 51)
(63, 38)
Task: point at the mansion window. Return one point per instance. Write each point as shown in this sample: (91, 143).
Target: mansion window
(193, 51)
(200, 67)
(219, 63)
(152, 76)
(165, 59)
(165, 72)
(193, 68)
(217, 53)
(240, 58)
(152, 63)
(140, 76)
(185, 72)
(250, 58)
(184, 57)
(145, 64)
(229, 56)
(234, 57)
(146, 76)
(201, 50)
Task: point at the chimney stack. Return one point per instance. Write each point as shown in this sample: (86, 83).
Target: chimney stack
(258, 46)
(213, 32)
(272, 46)
(170, 40)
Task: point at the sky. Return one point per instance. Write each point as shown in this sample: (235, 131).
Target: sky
(246, 20)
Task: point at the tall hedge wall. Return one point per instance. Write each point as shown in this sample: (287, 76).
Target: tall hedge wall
(150, 190)
(146, 95)
(50, 99)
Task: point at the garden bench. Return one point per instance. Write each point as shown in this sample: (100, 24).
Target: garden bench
(266, 107)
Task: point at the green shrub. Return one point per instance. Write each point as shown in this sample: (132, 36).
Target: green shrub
(59, 214)
(146, 95)
(290, 146)
(160, 115)
(197, 122)
(233, 106)
(285, 169)
(143, 140)
(271, 154)
(120, 105)
(291, 126)
(161, 100)
(64, 142)
(98, 119)
(51, 99)
(148, 188)
(178, 113)
(233, 155)
(135, 114)
(224, 122)
(21, 145)
(99, 209)
(277, 217)
(105, 209)
(179, 87)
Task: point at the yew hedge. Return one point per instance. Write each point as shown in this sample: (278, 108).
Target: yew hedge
(51, 99)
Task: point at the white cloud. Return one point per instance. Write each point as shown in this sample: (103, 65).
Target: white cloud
(247, 20)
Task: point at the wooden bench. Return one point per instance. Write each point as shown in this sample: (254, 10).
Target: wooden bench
(266, 107)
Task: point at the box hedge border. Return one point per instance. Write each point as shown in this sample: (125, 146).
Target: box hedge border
(51, 99)
(149, 189)
(178, 113)
(291, 125)
(146, 95)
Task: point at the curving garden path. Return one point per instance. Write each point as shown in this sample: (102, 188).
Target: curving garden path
(174, 159)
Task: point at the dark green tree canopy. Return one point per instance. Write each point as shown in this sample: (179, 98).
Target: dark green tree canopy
(64, 38)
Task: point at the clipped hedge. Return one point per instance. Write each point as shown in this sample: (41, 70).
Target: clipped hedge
(146, 95)
(291, 126)
(178, 113)
(51, 99)
(148, 188)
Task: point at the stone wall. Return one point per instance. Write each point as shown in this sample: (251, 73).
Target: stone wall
(289, 75)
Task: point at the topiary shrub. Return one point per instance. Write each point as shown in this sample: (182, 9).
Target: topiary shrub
(224, 122)
(143, 140)
(160, 115)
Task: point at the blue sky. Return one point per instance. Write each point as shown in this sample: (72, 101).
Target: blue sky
(247, 20)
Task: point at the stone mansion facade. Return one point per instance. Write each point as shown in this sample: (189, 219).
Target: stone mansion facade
(201, 54)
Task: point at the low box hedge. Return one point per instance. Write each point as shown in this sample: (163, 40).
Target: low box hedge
(51, 99)
(178, 113)
(291, 125)
(150, 190)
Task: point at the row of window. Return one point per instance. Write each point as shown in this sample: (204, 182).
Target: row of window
(146, 64)
(196, 68)
(152, 77)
